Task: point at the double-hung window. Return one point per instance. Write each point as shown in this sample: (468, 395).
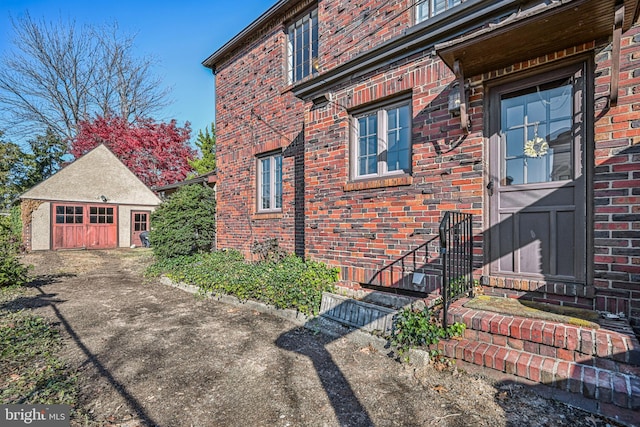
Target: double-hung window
(381, 142)
(426, 9)
(303, 46)
(270, 183)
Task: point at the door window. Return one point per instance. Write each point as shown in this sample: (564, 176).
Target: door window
(140, 222)
(536, 134)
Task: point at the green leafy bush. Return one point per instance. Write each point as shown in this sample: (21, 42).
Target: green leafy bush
(185, 223)
(289, 283)
(420, 328)
(15, 223)
(12, 272)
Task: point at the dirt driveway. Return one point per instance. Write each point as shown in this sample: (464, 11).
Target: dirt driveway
(151, 354)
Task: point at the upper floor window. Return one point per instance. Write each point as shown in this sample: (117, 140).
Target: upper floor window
(270, 183)
(426, 9)
(382, 141)
(303, 46)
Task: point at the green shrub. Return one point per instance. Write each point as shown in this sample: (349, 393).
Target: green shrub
(420, 328)
(15, 223)
(12, 272)
(289, 283)
(185, 223)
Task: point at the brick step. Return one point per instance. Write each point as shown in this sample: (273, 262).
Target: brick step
(604, 385)
(567, 357)
(585, 303)
(611, 346)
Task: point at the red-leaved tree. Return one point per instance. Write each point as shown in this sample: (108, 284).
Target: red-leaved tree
(158, 153)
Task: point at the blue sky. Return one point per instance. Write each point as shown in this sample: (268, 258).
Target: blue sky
(180, 34)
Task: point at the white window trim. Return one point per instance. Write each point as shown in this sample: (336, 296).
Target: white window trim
(383, 126)
(290, 49)
(272, 183)
(430, 14)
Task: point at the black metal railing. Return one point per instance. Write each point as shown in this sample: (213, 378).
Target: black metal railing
(456, 249)
(442, 264)
(401, 273)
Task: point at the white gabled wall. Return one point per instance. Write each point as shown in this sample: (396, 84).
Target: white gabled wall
(97, 173)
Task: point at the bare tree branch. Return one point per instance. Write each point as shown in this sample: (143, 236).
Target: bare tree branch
(61, 73)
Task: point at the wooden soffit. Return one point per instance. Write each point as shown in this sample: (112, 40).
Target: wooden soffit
(534, 32)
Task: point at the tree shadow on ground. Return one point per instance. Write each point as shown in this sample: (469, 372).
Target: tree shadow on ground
(348, 409)
(45, 299)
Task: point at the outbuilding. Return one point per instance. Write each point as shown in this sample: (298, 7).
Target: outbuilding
(96, 202)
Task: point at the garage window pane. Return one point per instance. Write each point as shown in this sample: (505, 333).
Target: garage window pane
(69, 214)
(101, 215)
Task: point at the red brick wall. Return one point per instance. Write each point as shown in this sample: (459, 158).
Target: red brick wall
(617, 183)
(254, 117)
(255, 114)
(361, 226)
(349, 28)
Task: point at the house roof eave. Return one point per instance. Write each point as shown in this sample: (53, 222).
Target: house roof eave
(419, 38)
(274, 10)
(208, 177)
(531, 33)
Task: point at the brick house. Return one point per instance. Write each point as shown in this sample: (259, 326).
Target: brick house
(345, 129)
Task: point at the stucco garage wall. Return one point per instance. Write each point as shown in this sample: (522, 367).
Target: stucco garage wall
(124, 223)
(41, 227)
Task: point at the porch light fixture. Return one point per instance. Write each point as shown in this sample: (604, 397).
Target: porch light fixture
(462, 96)
(104, 198)
(454, 100)
(322, 100)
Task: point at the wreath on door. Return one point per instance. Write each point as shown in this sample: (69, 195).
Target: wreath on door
(537, 146)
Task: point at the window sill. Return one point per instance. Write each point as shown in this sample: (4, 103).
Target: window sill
(266, 215)
(367, 184)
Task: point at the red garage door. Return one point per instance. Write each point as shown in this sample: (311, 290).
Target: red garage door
(84, 226)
